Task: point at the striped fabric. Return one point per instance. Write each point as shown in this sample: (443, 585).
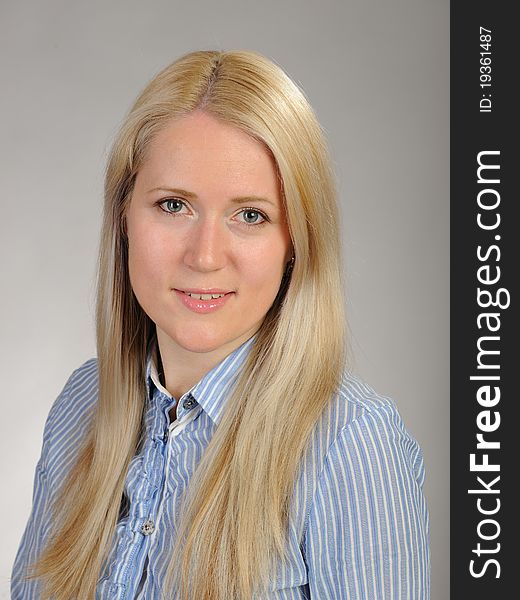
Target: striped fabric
(358, 522)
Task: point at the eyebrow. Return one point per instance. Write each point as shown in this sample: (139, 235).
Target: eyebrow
(191, 195)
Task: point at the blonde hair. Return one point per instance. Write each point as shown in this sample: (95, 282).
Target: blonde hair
(235, 513)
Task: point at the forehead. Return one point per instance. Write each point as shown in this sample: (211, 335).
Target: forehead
(197, 150)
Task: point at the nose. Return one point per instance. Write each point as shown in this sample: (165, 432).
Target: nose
(206, 246)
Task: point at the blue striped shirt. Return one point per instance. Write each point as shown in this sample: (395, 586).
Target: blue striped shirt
(358, 525)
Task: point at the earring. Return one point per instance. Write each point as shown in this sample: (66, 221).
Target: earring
(288, 268)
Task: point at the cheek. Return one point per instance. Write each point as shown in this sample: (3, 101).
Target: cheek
(146, 259)
(264, 273)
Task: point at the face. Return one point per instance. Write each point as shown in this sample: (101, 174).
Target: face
(207, 235)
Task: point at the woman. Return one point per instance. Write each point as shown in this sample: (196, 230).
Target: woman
(217, 448)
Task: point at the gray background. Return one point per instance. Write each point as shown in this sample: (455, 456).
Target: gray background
(377, 74)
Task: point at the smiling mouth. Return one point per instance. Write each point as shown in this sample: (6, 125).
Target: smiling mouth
(203, 301)
(204, 296)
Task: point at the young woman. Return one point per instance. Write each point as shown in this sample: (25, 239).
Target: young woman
(218, 448)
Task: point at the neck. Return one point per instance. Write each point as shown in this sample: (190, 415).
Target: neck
(183, 368)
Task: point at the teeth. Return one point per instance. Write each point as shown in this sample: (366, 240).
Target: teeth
(205, 296)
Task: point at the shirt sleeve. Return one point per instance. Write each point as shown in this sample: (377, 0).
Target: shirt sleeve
(368, 527)
(38, 525)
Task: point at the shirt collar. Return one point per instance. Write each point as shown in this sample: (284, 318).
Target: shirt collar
(212, 391)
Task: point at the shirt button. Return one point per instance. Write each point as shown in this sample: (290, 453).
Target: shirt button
(189, 402)
(147, 527)
(165, 436)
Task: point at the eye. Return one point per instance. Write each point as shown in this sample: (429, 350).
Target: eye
(251, 216)
(172, 205)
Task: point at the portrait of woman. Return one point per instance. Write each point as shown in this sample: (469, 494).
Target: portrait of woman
(218, 446)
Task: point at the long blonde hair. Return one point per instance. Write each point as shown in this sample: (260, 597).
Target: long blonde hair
(235, 515)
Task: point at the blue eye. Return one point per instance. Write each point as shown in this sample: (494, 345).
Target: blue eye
(253, 216)
(172, 205)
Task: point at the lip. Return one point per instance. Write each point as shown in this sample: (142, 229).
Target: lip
(203, 306)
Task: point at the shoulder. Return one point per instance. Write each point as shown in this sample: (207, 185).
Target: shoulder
(77, 396)
(356, 405)
(355, 399)
(360, 434)
(70, 416)
(362, 444)
(367, 511)
(372, 423)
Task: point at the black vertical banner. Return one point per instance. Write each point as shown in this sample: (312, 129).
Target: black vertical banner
(485, 268)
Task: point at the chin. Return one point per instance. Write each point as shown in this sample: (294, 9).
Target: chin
(201, 347)
(200, 341)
